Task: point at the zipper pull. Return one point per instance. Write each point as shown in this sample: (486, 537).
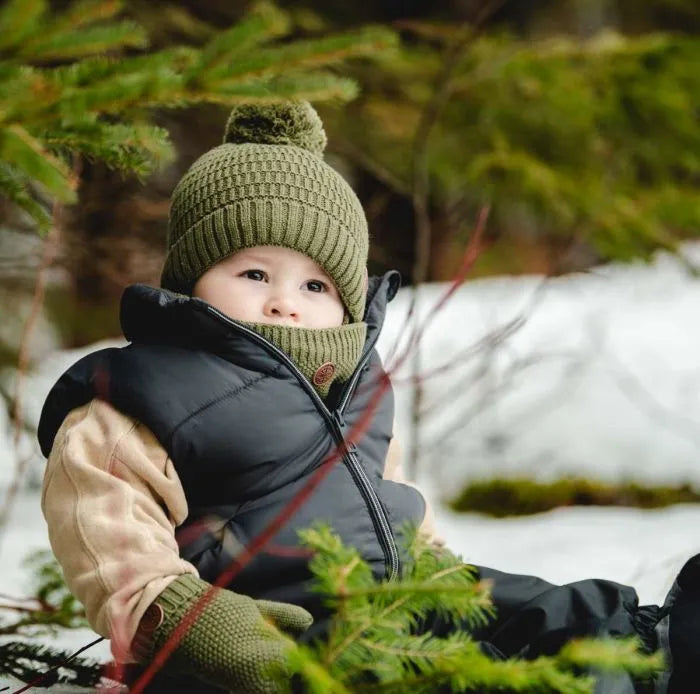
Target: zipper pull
(342, 426)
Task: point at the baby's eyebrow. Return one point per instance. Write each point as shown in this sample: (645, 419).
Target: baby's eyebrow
(249, 258)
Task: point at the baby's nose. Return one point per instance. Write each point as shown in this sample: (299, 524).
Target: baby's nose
(281, 306)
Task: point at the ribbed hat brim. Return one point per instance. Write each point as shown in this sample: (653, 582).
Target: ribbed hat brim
(277, 222)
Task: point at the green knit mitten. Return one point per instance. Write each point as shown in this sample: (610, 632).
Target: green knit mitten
(231, 644)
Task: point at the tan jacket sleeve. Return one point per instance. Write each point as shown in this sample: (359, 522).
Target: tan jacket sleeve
(111, 498)
(393, 470)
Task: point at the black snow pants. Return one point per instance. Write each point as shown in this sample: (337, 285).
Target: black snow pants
(534, 617)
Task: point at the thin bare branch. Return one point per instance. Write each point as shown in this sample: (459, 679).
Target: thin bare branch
(421, 194)
(48, 253)
(367, 162)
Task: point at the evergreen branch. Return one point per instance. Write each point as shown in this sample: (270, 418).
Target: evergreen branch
(83, 13)
(458, 662)
(418, 647)
(317, 678)
(121, 92)
(96, 69)
(18, 19)
(320, 86)
(55, 605)
(335, 652)
(350, 587)
(24, 93)
(106, 85)
(138, 148)
(263, 23)
(610, 655)
(305, 55)
(72, 44)
(344, 574)
(14, 185)
(480, 590)
(22, 660)
(378, 647)
(29, 155)
(334, 565)
(48, 111)
(510, 680)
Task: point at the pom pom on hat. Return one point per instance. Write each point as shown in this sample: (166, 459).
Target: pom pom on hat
(285, 123)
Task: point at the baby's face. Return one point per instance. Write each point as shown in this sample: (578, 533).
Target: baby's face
(270, 284)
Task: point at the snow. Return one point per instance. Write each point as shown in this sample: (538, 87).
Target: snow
(598, 377)
(645, 549)
(601, 379)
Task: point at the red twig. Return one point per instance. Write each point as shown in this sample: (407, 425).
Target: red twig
(261, 540)
(470, 256)
(361, 426)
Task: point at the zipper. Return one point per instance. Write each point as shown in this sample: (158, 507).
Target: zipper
(350, 386)
(381, 522)
(336, 424)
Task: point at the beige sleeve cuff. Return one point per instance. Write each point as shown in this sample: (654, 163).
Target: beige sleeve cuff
(111, 498)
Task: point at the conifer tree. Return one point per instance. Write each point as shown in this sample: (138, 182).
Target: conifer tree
(83, 82)
(378, 643)
(583, 146)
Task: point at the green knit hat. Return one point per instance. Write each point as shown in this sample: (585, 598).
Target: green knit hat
(268, 185)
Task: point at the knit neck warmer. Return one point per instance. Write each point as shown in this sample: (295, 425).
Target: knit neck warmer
(323, 355)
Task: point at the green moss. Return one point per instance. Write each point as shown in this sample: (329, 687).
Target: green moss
(519, 497)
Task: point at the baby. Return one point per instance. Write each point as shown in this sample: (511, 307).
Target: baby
(243, 376)
(251, 367)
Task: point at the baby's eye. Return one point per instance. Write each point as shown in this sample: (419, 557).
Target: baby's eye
(257, 275)
(316, 286)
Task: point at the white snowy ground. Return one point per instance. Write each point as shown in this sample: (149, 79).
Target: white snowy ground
(600, 379)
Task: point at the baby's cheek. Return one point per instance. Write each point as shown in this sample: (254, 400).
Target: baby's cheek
(341, 316)
(328, 313)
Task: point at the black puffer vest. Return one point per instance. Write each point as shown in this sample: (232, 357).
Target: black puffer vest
(247, 434)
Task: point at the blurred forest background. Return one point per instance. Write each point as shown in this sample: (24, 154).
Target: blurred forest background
(574, 121)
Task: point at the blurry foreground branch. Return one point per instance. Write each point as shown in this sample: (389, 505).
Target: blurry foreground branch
(68, 87)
